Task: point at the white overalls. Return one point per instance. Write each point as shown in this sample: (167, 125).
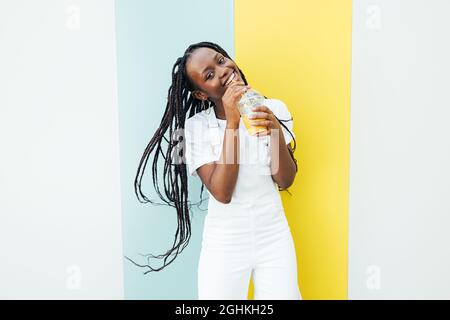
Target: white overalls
(250, 236)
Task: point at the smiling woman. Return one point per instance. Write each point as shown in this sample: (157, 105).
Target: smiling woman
(211, 72)
(244, 230)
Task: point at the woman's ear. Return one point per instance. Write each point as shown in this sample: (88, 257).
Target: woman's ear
(199, 95)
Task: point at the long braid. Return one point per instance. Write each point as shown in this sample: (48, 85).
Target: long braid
(180, 103)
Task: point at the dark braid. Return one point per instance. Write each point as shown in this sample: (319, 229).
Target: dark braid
(180, 102)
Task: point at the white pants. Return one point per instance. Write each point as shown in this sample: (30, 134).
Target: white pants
(248, 238)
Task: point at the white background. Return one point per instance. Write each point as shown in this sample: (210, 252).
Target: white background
(60, 221)
(400, 150)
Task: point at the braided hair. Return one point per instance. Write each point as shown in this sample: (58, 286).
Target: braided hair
(180, 103)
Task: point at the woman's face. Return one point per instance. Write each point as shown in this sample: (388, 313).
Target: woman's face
(209, 70)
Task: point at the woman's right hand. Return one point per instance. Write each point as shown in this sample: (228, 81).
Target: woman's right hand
(231, 98)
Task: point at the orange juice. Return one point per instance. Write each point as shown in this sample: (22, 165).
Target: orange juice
(250, 99)
(250, 128)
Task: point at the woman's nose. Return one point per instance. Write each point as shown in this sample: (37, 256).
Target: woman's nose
(224, 75)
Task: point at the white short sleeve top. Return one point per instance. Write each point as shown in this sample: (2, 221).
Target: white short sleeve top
(204, 135)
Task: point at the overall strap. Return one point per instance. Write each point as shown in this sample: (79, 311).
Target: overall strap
(213, 130)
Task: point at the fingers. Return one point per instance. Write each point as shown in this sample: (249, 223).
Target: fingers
(264, 123)
(263, 133)
(259, 115)
(234, 92)
(262, 109)
(235, 83)
(261, 112)
(237, 92)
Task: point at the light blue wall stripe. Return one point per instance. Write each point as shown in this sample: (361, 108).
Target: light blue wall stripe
(151, 35)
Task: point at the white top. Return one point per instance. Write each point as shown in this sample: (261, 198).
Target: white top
(204, 135)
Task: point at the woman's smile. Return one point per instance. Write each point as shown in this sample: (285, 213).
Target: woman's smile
(230, 78)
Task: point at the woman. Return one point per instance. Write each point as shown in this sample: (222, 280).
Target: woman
(245, 232)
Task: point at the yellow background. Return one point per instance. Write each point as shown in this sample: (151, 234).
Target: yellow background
(299, 51)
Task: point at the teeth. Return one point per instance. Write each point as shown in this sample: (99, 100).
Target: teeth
(230, 78)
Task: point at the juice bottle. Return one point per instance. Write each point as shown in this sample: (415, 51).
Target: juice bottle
(250, 99)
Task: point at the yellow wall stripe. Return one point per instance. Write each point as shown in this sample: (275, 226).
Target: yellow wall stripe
(299, 51)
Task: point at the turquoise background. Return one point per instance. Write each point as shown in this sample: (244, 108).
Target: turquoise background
(151, 35)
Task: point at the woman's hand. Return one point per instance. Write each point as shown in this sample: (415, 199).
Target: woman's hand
(231, 98)
(265, 118)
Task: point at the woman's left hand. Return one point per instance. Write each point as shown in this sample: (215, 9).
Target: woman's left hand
(264, 117)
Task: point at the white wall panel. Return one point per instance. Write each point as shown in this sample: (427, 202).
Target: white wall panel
(400, 150)
(60, 216)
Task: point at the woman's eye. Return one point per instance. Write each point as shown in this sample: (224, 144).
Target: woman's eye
(221, 60)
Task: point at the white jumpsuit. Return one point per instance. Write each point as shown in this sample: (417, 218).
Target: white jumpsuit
(250, 236)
